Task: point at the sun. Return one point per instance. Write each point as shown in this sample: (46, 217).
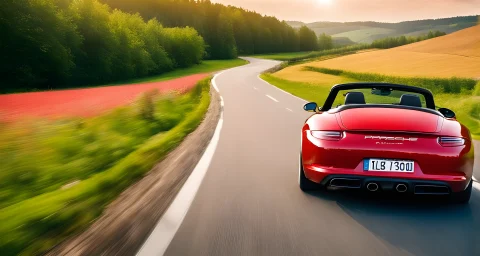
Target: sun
(324, 2)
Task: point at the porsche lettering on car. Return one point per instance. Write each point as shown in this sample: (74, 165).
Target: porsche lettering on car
(382, 137)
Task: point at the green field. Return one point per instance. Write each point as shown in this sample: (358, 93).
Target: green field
(282, 56)
(366, 35)
(101, 155)
(207, 66)
(465, 103)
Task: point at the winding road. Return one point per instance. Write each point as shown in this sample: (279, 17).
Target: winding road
(249, 202)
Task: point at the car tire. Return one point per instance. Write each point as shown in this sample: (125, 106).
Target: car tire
(464, 196)
(304, 182)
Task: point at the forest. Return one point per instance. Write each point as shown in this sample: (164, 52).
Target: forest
(227, 30)
(52, 44)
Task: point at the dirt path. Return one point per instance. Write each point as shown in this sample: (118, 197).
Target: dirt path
(83, 102)
(127, 221)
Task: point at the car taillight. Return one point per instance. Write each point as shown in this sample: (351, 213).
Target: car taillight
(451, 141)
(327, 135)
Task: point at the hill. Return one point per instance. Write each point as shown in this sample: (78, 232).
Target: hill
(368, 31)
(456, 54)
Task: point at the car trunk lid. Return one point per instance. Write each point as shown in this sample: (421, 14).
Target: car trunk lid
(389, 119)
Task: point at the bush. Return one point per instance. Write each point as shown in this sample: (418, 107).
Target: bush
(184, 46)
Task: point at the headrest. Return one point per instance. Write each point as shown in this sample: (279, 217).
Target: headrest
(410, 100)
(354, 98)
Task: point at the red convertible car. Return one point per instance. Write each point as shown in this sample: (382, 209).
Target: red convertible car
(385, 137)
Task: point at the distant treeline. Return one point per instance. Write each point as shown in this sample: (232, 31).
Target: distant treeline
(391, 42)
(227, 30)
(48, 44)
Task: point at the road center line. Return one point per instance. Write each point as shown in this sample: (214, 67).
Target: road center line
(280, 89)
(289, 109)
(255, 88)
(272, 98)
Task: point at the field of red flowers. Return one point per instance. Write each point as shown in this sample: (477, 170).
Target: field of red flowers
(83, 102)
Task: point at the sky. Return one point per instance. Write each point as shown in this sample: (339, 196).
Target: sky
(359, 10)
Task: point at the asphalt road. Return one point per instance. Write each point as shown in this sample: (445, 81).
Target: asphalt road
(250, 204)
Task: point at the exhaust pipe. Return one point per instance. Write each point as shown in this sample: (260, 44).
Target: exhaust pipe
(401, 188)
(372, 186)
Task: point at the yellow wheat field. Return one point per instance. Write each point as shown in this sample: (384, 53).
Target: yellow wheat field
(456, 54)
(295, 73)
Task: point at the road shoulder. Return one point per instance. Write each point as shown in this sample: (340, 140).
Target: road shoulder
(128, 221)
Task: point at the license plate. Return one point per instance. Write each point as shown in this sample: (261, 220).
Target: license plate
(386, 165)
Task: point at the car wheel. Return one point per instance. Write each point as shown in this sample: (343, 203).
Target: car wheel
(305, 183)
(464, 196)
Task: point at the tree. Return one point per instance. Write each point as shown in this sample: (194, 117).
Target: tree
(307, 39)
(36, 44)
(325, 42)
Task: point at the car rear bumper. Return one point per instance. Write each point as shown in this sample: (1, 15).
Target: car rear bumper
(416, 183)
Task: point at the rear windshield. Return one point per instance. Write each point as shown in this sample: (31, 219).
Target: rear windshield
(379, 96)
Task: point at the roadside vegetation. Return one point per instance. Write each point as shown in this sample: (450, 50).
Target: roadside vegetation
(57, 176)
(207, 66)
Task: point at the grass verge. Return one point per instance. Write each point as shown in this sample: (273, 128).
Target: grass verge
(207, 66)
(34, 225)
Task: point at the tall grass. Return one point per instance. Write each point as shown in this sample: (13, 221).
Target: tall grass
(105, 154)
(476, 92)
(453, 85)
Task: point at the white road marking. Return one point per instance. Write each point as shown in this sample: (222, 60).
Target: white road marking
(213, 80)
(255, 88)
(272, 98)
(222, 103)
(289, 109)
(280, 89)
(166, 228)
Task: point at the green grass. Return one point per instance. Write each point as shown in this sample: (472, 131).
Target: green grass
(366, 35)
(466, 105)
(106, 153)
(207, 66)
(453, 85)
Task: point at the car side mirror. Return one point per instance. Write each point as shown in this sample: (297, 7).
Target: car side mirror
(310, 107)
(447, 112)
